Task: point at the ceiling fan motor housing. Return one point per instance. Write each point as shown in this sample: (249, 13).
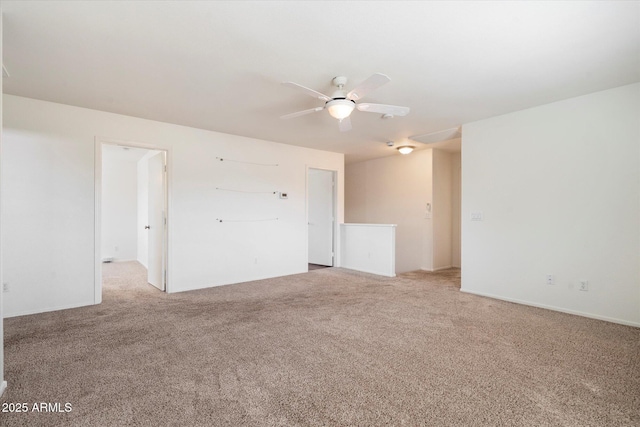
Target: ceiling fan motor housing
(340, 106)
(339, 81)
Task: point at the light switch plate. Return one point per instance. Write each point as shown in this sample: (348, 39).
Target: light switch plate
(477, 216)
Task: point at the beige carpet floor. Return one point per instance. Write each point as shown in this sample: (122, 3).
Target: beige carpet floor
(330, 347)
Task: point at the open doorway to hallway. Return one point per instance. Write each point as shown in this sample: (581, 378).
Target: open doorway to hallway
(133, 206)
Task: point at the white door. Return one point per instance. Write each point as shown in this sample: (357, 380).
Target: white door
(321, 211)
(156, 224)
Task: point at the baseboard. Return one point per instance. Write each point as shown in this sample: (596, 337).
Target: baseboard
(3, 387)
(432, 270)
(47, 309)
(252, 279)
(377, 273)
(554, 308)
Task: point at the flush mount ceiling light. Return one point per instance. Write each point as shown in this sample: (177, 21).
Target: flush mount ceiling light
(406, 149)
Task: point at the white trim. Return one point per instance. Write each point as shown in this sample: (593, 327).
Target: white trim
(377, 273)
(243, 281)
(97, 207)
(3, 383)
(554, 308)
(433, 270)
(99, 141)
(49, 309)
(353, 224)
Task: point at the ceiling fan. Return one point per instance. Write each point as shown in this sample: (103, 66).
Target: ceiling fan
(341, 103)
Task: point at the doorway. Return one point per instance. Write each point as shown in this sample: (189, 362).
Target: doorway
(131, 210)
(321, 218)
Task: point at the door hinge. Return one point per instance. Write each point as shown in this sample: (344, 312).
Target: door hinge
(165, 168)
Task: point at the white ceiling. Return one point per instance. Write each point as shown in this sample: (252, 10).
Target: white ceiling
(219, 65)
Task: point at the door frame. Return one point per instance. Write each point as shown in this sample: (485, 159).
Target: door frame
(98, 143)
(334, 229)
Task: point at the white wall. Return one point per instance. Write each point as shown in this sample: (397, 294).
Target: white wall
(369, 247)
(3, 384)
(48, 214)
(456, 203)
(395, 190)
(442, 209)
(119, 206)
(559, 187)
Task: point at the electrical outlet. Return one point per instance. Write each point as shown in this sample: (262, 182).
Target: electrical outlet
(584, 285)
(115, 248)
(5, 287)
(551, 280)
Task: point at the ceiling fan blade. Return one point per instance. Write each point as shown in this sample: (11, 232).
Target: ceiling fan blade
(345, 124)
(373, 82)
(308, 91)
(394, 110)
(301, 113)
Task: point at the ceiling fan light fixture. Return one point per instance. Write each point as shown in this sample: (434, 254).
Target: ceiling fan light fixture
(406, 149)
(340, 108)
